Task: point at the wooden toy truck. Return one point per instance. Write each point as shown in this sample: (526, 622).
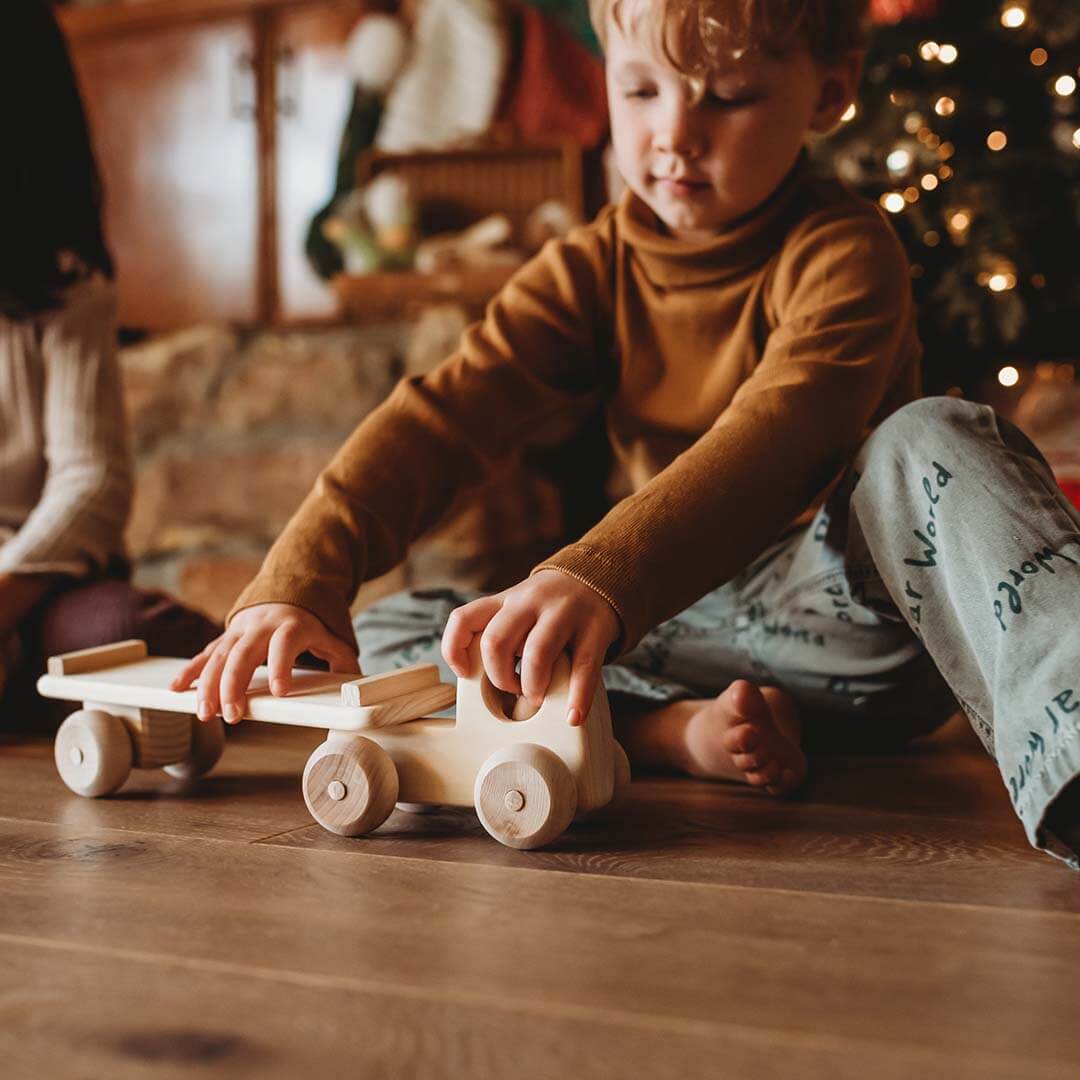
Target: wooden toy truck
(526, 775)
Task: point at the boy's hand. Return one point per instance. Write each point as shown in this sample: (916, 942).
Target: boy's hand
(274, 633)
(536, 620)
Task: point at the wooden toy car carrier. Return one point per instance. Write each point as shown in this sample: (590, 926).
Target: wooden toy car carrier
(526, 775)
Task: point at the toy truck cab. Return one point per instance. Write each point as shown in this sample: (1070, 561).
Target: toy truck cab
(526, 776)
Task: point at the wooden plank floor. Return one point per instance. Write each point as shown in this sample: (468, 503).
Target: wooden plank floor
(891, 923)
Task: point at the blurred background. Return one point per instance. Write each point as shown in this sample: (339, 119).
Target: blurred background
(307, 199)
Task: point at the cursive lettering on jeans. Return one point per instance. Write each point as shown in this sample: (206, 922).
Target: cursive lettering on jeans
(1040, 560)
(1036, 744)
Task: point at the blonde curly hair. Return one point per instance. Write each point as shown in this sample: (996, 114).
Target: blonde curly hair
(693, 34)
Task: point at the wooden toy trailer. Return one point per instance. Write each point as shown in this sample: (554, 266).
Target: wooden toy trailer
(526, 775)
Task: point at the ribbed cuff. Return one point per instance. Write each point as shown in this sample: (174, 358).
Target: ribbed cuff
(595, 570)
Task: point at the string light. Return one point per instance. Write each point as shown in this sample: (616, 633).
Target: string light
(958, 223)
(1076, 138)
(946, 151)
(1064, 85)
(911, 194)
(947, 54)
(849, 113)
(944, 106)
(913, 122)
(929, 181)
(1013, 16)
(1008, 376)
(899, 161)
(945, 172)
(997, 140)
(1000, 277)
(893, 201)
(1039, 57)
(931, 238)
(929, 50)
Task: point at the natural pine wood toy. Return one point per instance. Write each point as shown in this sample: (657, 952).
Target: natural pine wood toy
(526, 775)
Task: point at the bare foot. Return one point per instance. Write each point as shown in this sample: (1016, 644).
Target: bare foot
(747, 734)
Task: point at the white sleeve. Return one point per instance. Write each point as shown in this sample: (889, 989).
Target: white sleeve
(79, 519)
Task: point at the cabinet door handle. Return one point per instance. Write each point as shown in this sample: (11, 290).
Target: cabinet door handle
(288, 82)
(242, 87)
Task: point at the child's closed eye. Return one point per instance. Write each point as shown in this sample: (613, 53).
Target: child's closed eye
(721, 101)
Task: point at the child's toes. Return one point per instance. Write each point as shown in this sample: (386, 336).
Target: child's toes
(769, 773)
(741, 739)
(746, 762)
(785, 784)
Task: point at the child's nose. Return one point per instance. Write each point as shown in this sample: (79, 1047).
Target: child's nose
(679, 133)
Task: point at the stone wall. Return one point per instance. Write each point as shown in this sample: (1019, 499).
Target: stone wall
(229, 430)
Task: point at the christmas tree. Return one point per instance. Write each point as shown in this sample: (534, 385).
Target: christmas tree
(967, 130)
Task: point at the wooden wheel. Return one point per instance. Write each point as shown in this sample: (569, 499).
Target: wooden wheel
(93, 752)
(415, 807)
(525, 796)
(350, 787)
(207, 746)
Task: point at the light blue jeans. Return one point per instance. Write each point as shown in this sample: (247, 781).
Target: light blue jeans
(944, 569)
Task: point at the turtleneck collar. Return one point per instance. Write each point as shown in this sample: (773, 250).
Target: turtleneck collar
(742, 246)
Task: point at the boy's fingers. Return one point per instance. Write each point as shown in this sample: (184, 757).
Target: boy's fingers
(463, 625)
(583, 680)
(337, 654)
(190, 671)
(499, 648)
(207, 696)
(346, 663)
(284, 647)
(584, 677)
(542, 647)
(245, 657)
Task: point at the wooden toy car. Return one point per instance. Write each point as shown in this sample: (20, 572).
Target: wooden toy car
(526, 775)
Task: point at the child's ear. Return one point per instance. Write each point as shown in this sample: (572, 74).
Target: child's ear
(837, 88)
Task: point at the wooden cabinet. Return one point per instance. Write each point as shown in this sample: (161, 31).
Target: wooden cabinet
(172, 112)
(313, 101)
(216, 124)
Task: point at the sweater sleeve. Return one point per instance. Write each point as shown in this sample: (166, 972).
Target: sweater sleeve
(78, 521)
(531, 370)
(844, 333)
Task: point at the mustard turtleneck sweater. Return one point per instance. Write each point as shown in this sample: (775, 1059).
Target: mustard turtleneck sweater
(738, 376)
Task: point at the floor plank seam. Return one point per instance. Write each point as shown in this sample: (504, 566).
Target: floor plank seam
(609, 880)
(575, 1012)
(142, 831)
(274, 836)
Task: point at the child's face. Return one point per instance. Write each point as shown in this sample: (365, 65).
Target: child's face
(702, 167)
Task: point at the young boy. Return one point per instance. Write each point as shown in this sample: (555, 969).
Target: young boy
(749, 331)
